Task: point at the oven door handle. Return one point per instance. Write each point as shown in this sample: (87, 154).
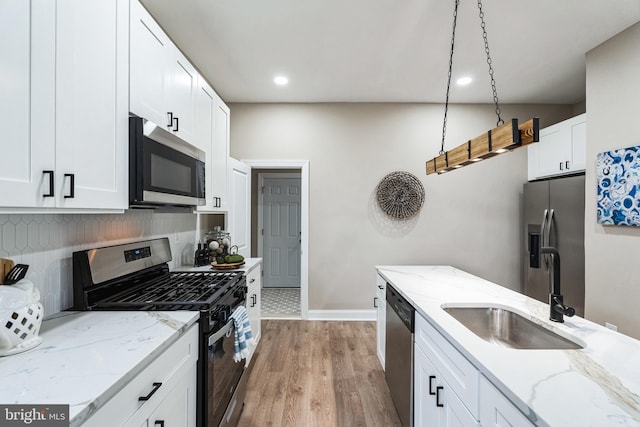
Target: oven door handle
(221, 333)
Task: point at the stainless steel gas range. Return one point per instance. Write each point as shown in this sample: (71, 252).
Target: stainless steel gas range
(136, 276)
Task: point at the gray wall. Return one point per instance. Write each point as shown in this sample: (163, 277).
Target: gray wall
(470, 217)
(612, 253)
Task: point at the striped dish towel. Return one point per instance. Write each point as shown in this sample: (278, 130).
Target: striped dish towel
(244, 341)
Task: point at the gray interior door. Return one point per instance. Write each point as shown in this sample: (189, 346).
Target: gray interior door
(281, 232)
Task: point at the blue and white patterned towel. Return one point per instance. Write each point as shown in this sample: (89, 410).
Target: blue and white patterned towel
(244, 341)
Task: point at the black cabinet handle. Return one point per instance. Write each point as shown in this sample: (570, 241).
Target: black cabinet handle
(431, 378)
(438, 404)
(176, 126)
(375, 302)
(155, 388)
(252, 280)
(72, 186)
(158, 423)
(50, 193)
(561, 166)
(170, 115)
(381, 287)
(566, 164)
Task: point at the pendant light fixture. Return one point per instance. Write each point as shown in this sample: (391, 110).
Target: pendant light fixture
(506, 136)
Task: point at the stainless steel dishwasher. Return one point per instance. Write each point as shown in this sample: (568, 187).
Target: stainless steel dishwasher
(399, 354)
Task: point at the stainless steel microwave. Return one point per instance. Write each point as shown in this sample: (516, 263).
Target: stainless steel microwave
(164, 170)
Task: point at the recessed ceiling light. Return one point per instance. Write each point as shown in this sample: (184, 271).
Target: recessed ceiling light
(281, 80)
(463, 81)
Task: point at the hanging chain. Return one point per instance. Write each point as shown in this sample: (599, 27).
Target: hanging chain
(486, 49)
(446, 104)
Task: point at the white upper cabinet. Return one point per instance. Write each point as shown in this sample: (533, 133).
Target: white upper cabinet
(240, 209)
(561, 150)
(212, 136)
(92, 99)
(26, 44)
(66, 104)
(147, 67)
(163, 82)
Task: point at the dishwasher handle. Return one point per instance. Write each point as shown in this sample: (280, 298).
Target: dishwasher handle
(401, 307)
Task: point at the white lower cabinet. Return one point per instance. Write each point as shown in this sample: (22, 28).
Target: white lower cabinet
(445, 383)
(435, 402)
(450, 391)
(498, 411)
(254, 286)
(163, 394)
(178, 407)
(380, 303)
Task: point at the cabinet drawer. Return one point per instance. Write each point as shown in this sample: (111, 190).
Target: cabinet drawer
(456, 370)
(163, 369)
(498, 411)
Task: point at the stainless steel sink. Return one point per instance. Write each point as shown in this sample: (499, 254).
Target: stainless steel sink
(508, 329)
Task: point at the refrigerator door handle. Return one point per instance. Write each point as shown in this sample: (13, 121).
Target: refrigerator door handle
(550, 228)
(544, 236)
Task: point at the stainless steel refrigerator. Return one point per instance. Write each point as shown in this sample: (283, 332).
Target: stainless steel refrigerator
(554, 213)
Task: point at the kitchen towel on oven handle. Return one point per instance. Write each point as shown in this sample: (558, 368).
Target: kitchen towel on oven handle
(244, 341)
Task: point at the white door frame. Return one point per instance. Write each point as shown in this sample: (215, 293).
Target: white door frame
(261, 178)
(303, 165)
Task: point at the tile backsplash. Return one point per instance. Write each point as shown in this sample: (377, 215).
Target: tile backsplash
(46, 243)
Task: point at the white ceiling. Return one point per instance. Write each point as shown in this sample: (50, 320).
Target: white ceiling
(391, 50)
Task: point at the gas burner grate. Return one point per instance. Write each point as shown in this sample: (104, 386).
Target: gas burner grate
(177, 291)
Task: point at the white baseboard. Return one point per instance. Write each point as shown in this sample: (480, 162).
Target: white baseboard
(360, 315)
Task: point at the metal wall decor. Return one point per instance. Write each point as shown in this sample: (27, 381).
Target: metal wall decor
(400, 195)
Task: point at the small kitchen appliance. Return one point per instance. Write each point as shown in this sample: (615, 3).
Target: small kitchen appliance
(136, 276)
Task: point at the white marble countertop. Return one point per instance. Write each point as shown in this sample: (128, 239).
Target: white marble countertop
(249, 264)
(596, 386)
(87, 357)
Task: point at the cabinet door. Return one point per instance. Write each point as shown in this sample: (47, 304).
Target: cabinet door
(220, 153)
(578, 146)
(425, 411)
(179, 407)
(553, 150)
(381, 318)
(203, 127)
(181, 79)
(254, 302)
(496, 410)
(435, 403)
(92, 104)
(148, 66)
(240, 209)
(27, 110)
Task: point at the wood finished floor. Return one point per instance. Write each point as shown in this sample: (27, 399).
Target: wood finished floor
(317, 373)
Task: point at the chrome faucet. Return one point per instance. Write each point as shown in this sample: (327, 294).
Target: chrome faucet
(557, 309)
